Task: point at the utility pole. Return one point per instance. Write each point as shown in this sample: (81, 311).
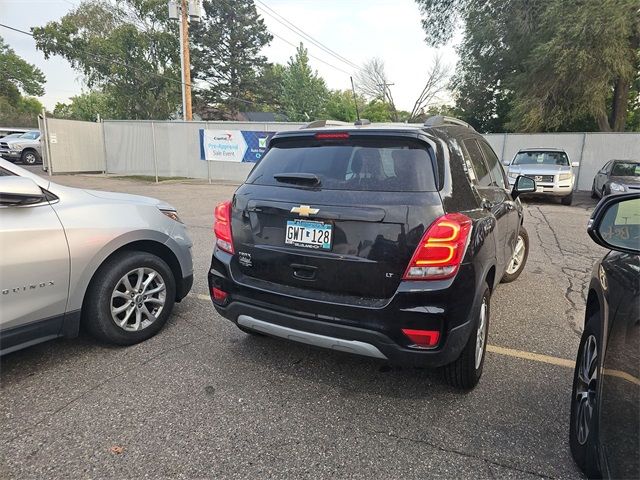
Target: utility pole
(186, 62)
(184, 11)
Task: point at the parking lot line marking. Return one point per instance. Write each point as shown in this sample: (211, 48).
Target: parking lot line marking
(510, 352)
(536, 357)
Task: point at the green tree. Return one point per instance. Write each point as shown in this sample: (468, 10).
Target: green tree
(583, 68)
(127, 49)
(226, 48)
(86, 106)
(304, 93)
(17, 79)
(378, 111)
(540, 66)
(341, 105)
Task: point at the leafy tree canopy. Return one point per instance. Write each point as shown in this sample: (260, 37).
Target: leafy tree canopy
(541, 66)
(17, 79)
(226, 48)
(86, 106)
(129, 49)
(304, 93)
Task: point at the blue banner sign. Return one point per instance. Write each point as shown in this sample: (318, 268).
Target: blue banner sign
(233, 145)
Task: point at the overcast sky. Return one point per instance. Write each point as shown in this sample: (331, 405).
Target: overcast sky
(355, 29)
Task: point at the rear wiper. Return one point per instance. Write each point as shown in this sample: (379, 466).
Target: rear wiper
(299, 178)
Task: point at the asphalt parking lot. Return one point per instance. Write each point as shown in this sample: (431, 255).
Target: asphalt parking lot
(204, 400)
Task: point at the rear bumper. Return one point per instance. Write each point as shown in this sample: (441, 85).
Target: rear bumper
(355, 340)
(373, 329)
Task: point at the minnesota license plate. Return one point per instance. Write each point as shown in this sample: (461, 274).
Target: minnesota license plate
(308, 234)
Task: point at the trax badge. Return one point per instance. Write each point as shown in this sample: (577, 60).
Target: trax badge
(305, 210)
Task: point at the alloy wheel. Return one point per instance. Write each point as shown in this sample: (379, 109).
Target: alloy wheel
(517, 257)
(586, 388)
(30, 158)
(138, 299)
(481, 333)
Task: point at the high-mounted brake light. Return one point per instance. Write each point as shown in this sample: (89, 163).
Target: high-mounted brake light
(441, 249)
(332, 136)
(222, 227)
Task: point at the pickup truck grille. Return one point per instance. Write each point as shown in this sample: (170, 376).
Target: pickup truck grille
(543, 178)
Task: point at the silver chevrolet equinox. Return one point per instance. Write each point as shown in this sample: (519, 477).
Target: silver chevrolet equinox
(111, 262)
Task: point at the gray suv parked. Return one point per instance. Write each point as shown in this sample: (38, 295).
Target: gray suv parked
(111, 262)
(25, 148)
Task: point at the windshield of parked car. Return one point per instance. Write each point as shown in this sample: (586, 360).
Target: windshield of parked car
(626, 169)
(541, 158)
(30, 135)
(389, 165)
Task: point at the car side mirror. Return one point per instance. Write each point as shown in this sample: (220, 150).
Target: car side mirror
(16, 190)
(575, 164)
(523, 185)
(615, 223)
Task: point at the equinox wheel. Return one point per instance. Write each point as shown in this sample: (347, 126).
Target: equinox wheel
(583, 424)
(465, 372)
(130, 298)
(519, 257)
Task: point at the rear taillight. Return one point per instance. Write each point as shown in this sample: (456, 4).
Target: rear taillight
(222, 227)
(219, 296)
(441, 249)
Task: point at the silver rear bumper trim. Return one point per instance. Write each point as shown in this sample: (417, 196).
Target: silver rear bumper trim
(349, 346)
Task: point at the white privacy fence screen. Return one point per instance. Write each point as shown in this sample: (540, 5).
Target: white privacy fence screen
(173, 149)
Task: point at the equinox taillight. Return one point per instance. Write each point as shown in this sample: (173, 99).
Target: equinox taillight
(440, 252)
(222, 227)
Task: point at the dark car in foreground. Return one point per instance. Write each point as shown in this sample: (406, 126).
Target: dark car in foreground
(617, 176)
(384, 241)
(605, 403)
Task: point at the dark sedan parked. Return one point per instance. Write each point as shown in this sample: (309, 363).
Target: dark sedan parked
(605, 404)
(617, 176)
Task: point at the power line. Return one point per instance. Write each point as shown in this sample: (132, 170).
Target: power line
(100, 57)
(298, 31)
(296, 46)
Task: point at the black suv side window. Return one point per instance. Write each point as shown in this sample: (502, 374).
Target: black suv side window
(497, 172)
(483, 178)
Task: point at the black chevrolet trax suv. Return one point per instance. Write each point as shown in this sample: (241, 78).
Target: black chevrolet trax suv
(379, 240)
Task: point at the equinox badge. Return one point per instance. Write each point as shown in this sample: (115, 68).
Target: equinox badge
(305, 210)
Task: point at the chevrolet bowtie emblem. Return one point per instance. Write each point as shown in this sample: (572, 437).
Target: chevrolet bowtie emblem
(305, 210)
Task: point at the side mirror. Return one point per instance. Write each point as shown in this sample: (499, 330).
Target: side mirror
(615, 223)
(16, 190)
(523, 185)
(575, 164)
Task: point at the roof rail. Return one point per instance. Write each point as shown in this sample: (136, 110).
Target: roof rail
(442, 120)
(324, 123)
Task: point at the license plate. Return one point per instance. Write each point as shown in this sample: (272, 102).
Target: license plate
(308, 234)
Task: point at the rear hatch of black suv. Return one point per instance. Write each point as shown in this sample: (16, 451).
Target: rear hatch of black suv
(335, 215)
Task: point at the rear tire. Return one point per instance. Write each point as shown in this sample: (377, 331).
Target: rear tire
(567, 200)
(465, 372)
(516, 264)
(583, 424)
(107, 293)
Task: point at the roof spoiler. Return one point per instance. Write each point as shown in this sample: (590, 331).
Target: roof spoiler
(324, 123)
(442, 120)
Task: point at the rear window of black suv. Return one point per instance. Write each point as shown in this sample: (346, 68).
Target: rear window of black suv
(381, 164)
